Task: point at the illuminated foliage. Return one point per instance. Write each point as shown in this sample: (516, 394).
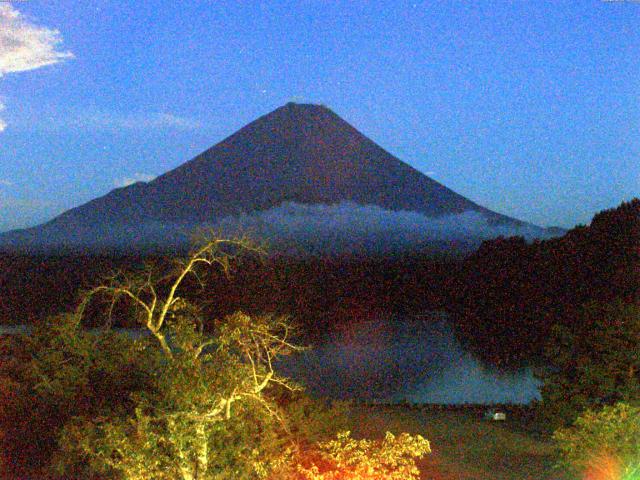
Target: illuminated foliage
(345, 458)
(602, 445)
(593, 362)
(208, 390)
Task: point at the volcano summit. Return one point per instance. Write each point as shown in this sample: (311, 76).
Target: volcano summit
(300, 163)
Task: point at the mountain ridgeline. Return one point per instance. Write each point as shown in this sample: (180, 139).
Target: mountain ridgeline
(297, 156)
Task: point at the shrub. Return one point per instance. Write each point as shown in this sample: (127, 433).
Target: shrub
(345, 458)
(602, 444)
(592, 363)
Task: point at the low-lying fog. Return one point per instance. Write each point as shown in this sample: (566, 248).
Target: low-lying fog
(416, 360)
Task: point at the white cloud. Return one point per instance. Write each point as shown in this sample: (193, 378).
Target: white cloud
(106, 121)
(5, 183)
(111, 122)
(136, 177)
(161, 120)
(297, 218)
(349, 227)
(25, 46)
(31, 203)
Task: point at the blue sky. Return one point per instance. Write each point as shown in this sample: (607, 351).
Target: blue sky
(528, 108)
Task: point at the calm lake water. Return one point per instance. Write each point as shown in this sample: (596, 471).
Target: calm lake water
(415, 360)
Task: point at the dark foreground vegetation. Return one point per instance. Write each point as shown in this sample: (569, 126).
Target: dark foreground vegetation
(320, 292)
(70, 407)
(509, 295)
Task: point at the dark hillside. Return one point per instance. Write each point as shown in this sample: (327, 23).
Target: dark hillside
(509, 293)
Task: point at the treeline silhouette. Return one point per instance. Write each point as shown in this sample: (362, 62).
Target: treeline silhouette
(508, 294)
(503, 299)
(318, 292)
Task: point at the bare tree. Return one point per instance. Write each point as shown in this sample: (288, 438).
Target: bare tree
(199, 375)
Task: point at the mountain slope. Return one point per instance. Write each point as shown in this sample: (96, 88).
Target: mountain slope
(298, 153)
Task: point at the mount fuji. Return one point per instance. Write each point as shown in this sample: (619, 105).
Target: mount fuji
(300, 171)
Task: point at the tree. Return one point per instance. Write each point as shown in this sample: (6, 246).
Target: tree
(593, 362)
(205, 384)
(177, 398)
(507, 296)
(55, 372)
(602, 444)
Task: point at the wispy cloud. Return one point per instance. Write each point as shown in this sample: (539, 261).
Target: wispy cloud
(31, 203)
(25, 46)
(351, 227)
(136, 177)
(106, 121)
(5, 183)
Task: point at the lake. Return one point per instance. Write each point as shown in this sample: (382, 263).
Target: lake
(400, 359)
(414, 360)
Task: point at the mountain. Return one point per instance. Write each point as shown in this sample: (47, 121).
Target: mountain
(298, 155)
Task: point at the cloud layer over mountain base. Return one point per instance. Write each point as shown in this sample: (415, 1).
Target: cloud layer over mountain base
(293, 229)
(352, 228)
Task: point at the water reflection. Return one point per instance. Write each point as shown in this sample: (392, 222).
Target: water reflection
(417, 360)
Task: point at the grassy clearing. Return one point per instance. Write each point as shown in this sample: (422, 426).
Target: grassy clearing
(464, 445)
